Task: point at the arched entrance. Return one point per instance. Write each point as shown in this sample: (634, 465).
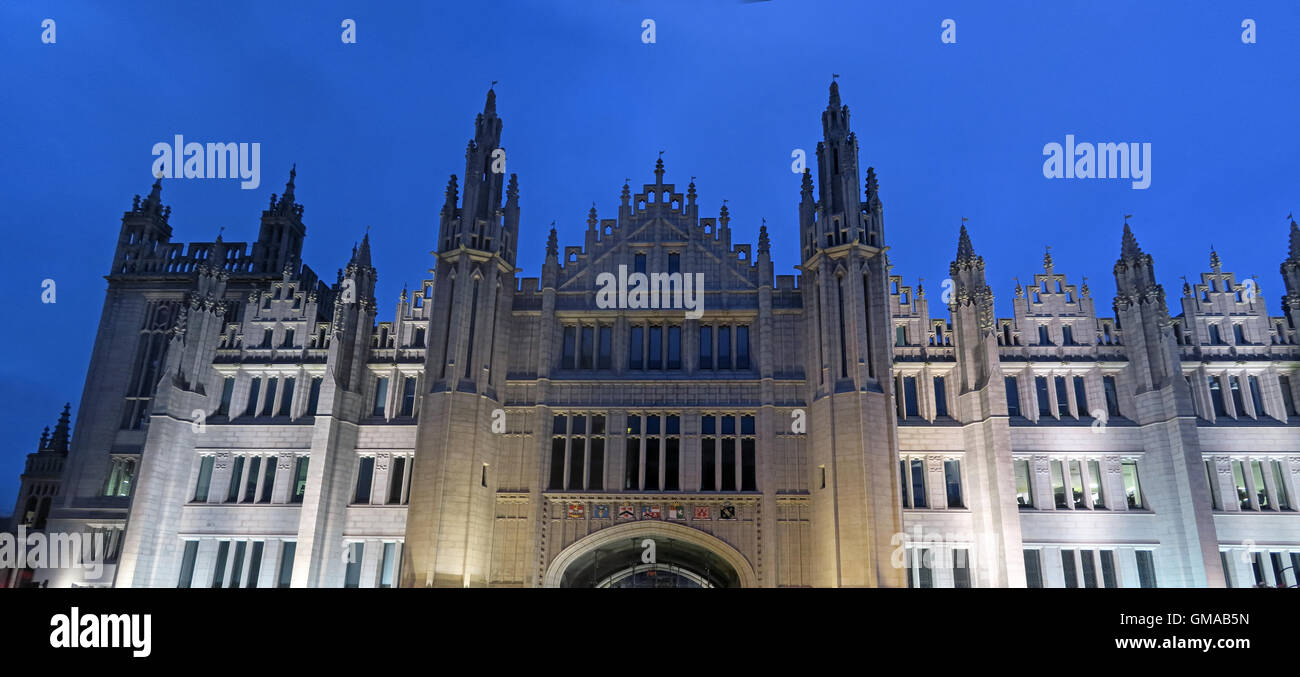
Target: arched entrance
(683, 558)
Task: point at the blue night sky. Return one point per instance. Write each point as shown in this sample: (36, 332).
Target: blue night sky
(727, 92)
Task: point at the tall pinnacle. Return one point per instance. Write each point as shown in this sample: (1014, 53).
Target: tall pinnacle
(1129, 248)
(552, 245)
(965, 250)
(835, 95)
(490, 106)
(362, 255)
(659, 169)
(59, 439)
(1215, 264)
(1294, 253)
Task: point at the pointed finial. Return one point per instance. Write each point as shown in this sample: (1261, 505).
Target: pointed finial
(873, 186)
(552, 245)
(1020, 291)
(490, 106)
(965, 250)
(806, 186)
(591, 217)
(1128, 244)
(1047, 259)
(659, 169)
(45, 439)
(764, 243)
(1187, 286)
(220, 231)
(835, 92)
(1084, 289)
(1215, 264)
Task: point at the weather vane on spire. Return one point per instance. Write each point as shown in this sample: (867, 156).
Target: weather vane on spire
(494, 84)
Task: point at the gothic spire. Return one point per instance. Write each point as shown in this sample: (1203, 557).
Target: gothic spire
(1215, 264)
(361, 256)
(873, 188)
(490, 106)
(1294, 253)
(59, 439)
(552, 246)
(1129, 248)
(965, 250)
(806, 190)
(45, 439)
(659, 169)
(764, 243)
(835, 95)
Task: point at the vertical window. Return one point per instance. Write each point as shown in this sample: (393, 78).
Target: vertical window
(300, 479)
(1112, 396)
(1081, 397)
(381, 396)
(396, 480)
(1132, 487)
(559, 428)
(227, 390)
(237, 567)
(1076, 484)
(1216, 397)
(219, 568)
(1256, 397)
(1288, 397)
(674, 263)
(1013, 397)
(1261, 490)
(408, 396)
(918, 483)
(1279, 481)
(909, 396)
(1089, 569)
(352, 575)
(672, 453)
(1095, 490)
(1146, 568)
(587, 349)
(748, 462)
(606, 335)
(1058, 485)
(286, 400)
(1213, 481)
(1033, 569)
(728, 482)
(1068, 568)
(568, 348)
(960, 568)
(742, 347)
(596, 475)
(674, 347)
(1215, 339)
(187, 564)
(205, 479)
(632, 455)
(268, 481)
(286, 564)
(635, 357)
(1067, 335)
(639, 263)
(925, 568)
(577, 455)
(1238, 335)
(250, 485)
(706, 347)
(902, 478)
(940, 397)
(900, 335)
(365, 477)
(1239, 480)
(1062, 397)
(724, 347)
(388, 566)
(268, 407)
(952, 479)
(1044, 399)
(1234, 384)
(1108, 569)
(254, 388)
(1024, 487)
(652, 447)
(708, 453)
(236, 476)
(313, 397)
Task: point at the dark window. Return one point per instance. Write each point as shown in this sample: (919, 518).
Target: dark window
(724, 347)
(1112, 396)
(300, 479)
(1108, 569)
(254, 389)
(1044, 398)
(674, 263)
(1013, 397)
(1081, 397)
(396, 476)
(557, 464)
(940, 397)
(1062, 396)
(268, 480)
(268, 407)
(286, 563)
(313, 397)
(728, 461)
(1234, 384)
(250, 485)
(286, 400)
(1068, 567)
(606, 345)
(1256, 398)
(408, 396)
(236, 475)
(588, 348)
(365, 476)
(655, 356)
(1089, 569)
(706, 347)
(567, 351)
(961, 568)
(742, 347)
(227, 389)
(918, 483)
(909, 396)
(1288, 397)
(1033, 569)
(639, 263)
(1146, 568)
(187, 564)
(952, 478)
(205, 479)
(219, 569)
(674, 347)
(381, 396)
(635, 359)
(1067, 335)
(1216, 397)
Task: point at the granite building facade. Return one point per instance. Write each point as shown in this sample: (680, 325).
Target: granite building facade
(246, 424)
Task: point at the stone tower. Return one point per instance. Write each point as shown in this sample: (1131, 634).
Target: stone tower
(449, 523)
(851, 419)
